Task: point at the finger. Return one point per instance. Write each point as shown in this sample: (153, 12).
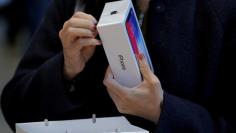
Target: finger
(86, 45)
(95, 33)
(79, 32)
(113, 85)
(89, 43)
(108, 74)
(80, 23)
(84, 42)
(85, 16)
(145, 68)
(107, 81)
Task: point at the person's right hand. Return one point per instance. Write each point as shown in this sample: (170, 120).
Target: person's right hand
(79, 42)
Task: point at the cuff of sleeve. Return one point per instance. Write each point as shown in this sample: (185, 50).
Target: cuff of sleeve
(164, 119)
(180, 115)
(173, 111)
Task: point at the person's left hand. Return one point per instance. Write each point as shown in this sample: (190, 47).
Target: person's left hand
(144, 100)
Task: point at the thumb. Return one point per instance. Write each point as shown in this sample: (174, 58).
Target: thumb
(112, 85)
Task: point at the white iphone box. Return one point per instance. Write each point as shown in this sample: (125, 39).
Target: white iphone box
(122, 39)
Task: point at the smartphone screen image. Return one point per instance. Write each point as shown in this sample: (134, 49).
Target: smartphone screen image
(135, 36)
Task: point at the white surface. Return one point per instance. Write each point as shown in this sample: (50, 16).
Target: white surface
(102, 125)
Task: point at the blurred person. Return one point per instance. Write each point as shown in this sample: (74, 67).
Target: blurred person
(3, 3)
(23, 14)
(15, 15)
(35, 12)
(192, 45)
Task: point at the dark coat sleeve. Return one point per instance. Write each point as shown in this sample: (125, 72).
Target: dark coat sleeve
(38, 89)
(39, 75)
(180, 115)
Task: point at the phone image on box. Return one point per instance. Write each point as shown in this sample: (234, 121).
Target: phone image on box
(136, 38)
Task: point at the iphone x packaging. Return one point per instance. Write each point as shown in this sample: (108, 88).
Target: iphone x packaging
(122, 39)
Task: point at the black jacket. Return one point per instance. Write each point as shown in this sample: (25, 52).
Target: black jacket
(192, 44)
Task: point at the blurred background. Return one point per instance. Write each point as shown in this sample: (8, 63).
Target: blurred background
(18, 21)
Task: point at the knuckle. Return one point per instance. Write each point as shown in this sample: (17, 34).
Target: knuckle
(122, 109)
(60, 33)
(67, 23)
(106, 82)
(91, 16)
(119, 109)
(154, 81)
(69, 30)
(78, 14)
(70, 22)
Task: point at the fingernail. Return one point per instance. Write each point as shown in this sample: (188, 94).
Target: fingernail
(95, 21)
(99, 42)
(94, 28)
(140, 56)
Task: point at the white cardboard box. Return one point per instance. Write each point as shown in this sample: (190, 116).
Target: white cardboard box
(102, 125)
(122, 39)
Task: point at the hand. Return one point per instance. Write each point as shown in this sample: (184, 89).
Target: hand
(144, 100)
(79, 42)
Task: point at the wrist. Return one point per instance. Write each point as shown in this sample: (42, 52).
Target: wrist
(157, 111)
(160, 105)
(71, 71)
(68, 73)
(72, 67)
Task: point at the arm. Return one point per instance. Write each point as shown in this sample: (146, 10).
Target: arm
(174, 114)
(177, 114)
(180, 115)
(38, 89)
(39, 75)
